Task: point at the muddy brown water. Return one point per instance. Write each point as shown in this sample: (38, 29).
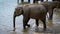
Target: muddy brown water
(6, 22)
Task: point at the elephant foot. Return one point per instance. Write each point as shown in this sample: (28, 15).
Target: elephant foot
(14, 29)
(44, 28)
(28, 25)
(24, 26)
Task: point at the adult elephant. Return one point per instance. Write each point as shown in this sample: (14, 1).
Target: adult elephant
(33, 11)
(50, 6)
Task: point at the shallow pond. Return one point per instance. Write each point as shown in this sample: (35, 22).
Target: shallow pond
(6, 22)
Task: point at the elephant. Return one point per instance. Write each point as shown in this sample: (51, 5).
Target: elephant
(34, 11)
(50, 6)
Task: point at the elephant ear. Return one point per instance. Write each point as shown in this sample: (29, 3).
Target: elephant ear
(18, 10)
(21, 10)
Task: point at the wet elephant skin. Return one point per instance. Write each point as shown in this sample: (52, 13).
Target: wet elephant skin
(31, 11)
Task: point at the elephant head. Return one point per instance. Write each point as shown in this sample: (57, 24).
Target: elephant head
(18, 11)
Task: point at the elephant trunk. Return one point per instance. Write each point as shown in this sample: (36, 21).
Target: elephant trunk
(14, 22)
(17, 12)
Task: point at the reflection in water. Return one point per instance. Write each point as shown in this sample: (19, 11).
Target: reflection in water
(50, 23)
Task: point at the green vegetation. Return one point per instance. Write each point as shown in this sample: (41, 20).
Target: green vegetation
(24, 3)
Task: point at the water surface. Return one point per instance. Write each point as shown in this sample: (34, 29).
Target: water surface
(6, 21)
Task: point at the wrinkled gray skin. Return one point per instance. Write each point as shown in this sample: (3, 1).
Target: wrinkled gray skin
(50, 6)
(31, 11)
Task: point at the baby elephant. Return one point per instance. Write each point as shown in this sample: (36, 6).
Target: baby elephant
(31, 11)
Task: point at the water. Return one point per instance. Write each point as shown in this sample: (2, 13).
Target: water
(6, 21)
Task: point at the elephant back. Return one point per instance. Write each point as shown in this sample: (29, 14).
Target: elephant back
(34, 11)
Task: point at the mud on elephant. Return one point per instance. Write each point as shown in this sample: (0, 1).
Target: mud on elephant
(37, 12)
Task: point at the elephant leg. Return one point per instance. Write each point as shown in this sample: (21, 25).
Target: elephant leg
(44, 23)
(37, 24)
(51, 14)
(25, 22)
